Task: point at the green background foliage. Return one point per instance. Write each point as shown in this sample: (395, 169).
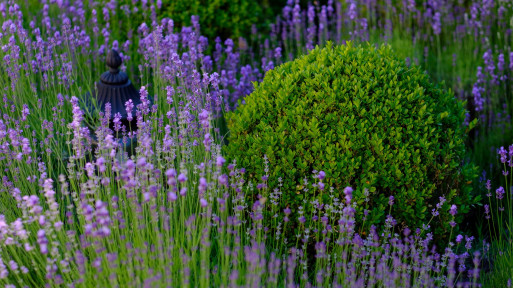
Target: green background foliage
(223, 18)
(368, 121)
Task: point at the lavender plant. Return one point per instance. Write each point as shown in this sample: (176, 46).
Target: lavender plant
(81, 213)
(498, 216)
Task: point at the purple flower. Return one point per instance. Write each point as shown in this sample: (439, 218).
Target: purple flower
(223, 180)
(500, 63)
(172, 196)
(437, 25)
(170, 92)
(100, 162)
(499, 193)
(352, 13)
(220, 161)
(468, 245)
(320, 185)
(202, 187)
(145, 102)
(441, 203)
(42, 241)
(322, 175)
(459, 238)
(207, 141)
(503, 154)
(453, 210)
(203, 202)
(129, 106)
(171, 173)
(203, 117)
(348, 192)
(182, 178)
(117, 122)
(391, 200)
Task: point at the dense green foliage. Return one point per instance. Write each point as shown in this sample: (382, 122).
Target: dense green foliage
(223, 18)
(368, 120)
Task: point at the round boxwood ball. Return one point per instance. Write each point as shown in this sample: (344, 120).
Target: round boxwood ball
(369, 121)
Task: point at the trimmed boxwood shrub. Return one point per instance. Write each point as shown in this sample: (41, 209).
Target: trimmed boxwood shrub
(369, 121)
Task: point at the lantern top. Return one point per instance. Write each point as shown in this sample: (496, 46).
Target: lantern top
(115, 88)
(113, 60)
(114, 76)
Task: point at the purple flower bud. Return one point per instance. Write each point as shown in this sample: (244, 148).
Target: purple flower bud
(223, 180)
(172, 196)
(170, 92)
(348, 192)
(42, 220)
(468, 245)
(287, 211)
(203, 202)
(487, 211)
(90, 169)
(503, 153)
(202, 187)
(321, 175)
(500, 193)
(320, 185)
(207, 141)
(100, 162)
(453, 210)
(220, 161)
(459, 238)
(129, 106)
(182, 178)
(117, 122)
(171, 174)
(437, 25)
(391, 200)
(141, 162)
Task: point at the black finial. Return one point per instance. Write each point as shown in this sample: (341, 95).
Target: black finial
(113, 60)
(115, 88)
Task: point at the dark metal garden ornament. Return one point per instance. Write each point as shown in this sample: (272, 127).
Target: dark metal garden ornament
(115, 88)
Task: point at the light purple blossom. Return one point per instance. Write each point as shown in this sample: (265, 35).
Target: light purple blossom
(220, 161)
(453, 210)
(182, 178)
(499, 193)
(348, 192)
